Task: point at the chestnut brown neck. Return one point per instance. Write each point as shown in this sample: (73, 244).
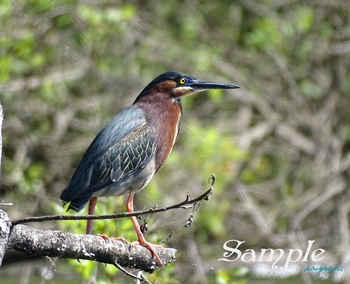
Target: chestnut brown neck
(163, 115)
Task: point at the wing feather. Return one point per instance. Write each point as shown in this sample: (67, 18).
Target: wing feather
(122, 149)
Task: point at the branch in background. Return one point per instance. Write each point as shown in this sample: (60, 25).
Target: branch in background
(37, 81)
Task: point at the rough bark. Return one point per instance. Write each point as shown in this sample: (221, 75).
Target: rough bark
(66, 245)
(5, 226)
(1, 120)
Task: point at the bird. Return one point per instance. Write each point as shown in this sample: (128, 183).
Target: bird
(132, 147)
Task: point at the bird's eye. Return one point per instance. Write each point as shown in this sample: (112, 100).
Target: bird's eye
(182, 81)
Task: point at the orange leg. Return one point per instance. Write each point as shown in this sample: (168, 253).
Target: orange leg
(91, 209)
(92, 204)
(141, 238)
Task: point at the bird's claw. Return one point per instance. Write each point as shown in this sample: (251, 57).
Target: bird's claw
(150, 247)
(119, 239)
(135, 243)
(146, 244)
(106, 238)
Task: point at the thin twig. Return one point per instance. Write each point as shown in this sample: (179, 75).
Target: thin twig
(143, 278)
(184, 205)
(117, 265)
(6, 204)
(167, 238)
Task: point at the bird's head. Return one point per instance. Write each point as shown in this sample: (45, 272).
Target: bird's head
(174, 85)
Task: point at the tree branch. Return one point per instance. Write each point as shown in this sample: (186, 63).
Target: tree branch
(1, 120)
(186, 204)
(66, 245)
(5, 227)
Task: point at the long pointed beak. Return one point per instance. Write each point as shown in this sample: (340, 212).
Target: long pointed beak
(206, 85)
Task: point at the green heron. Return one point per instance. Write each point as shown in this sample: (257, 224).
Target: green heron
(131, 148)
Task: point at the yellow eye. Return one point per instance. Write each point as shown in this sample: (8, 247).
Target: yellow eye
(182, 81)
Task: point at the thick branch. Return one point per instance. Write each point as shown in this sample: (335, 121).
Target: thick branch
(1, 120)
(5, 226)
(67, 245)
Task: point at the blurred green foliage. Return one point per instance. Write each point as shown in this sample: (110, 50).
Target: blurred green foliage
(275, 146)
(228, 276)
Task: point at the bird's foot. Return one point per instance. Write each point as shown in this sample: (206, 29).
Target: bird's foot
(135, 243)
(106, 238)
(150, 247)
(119, 239)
